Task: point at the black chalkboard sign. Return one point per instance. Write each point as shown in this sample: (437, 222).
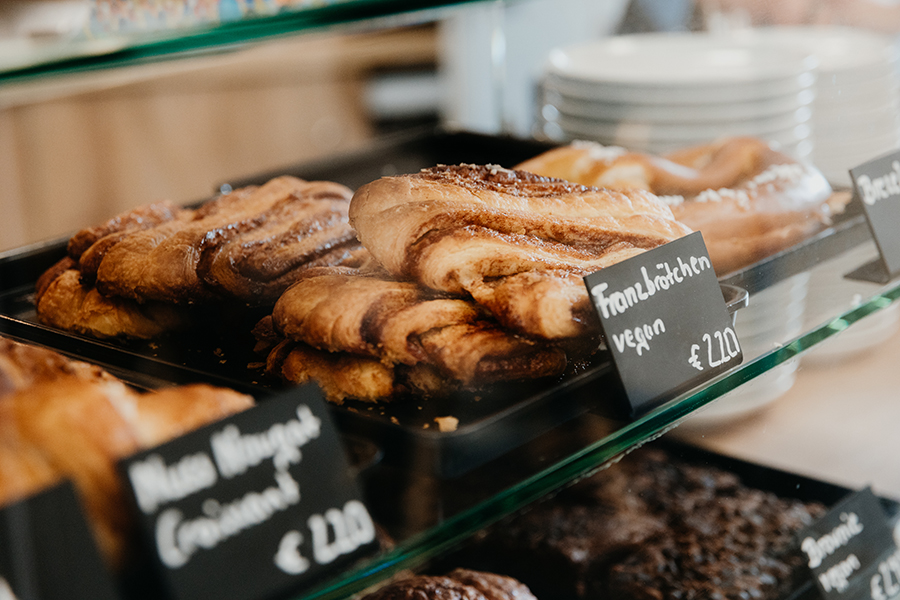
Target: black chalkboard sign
(877, 185)
(665, 321)
(256, 505)
(47, 551)
(851, 551)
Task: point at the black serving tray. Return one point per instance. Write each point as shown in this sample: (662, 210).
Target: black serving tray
(490, 421)
(782, 483)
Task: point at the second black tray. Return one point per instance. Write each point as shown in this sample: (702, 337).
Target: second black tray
(490, 421)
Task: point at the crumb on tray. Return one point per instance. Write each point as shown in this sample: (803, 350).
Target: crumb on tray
(446, 424)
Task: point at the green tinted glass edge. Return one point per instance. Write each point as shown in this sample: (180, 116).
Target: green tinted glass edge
(142, 48)
(421, 548)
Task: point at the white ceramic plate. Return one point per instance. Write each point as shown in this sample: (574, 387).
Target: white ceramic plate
(859, 148)
(679, 60)
(848, 53)
(679, 113)
(672, 130)
(831, 91)
(660, 95)
(856, 112)
(853, 127)
(791, 128)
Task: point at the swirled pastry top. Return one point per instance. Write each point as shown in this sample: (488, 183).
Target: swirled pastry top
(249, 244)
(748, 199)
(394, 214)
(470, 229)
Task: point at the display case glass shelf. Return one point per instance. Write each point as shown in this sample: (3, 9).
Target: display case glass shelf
(428, 513)
(117, 34)
(603, 451)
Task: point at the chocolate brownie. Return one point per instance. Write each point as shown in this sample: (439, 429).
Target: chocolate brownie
(653, 527)
(732, 547)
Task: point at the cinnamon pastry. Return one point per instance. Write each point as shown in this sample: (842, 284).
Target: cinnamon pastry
(340, 375)
(62, 300)
(137, 219)
(132, 275)
(382, 323)
(161, 263)
(747, 199)
(518, 243)
(256, 261)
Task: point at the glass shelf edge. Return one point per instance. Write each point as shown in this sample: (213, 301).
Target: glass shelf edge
(157, 46)
(420, 548)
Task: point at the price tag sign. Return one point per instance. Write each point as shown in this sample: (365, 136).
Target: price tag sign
(665, 321)
(47, 551)
(851, 551)
(255, 505)
(877, 184)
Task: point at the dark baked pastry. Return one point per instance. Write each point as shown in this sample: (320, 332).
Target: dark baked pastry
(460, 584)
(722, 539)
(651, 528)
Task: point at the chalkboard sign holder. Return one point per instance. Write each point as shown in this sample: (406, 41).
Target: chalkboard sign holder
(47, 551)
(850, 551)
(876, 184)
(665, 321)
(255, 506)
(873, 272)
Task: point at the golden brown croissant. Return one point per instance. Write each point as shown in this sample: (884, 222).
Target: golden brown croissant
(65, 419)
(747, 199)
(22, 365)
(518, 243)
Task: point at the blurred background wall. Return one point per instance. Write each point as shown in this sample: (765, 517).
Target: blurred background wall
(78, 149)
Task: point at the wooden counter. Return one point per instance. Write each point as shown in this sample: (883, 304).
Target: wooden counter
(840, 422)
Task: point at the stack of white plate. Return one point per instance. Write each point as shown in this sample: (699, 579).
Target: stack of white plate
(660, 92)
(856, 116)
(774, 317)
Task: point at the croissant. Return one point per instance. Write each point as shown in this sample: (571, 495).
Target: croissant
(747, 199)
(517, 243)
(66, 419)
(22, 365)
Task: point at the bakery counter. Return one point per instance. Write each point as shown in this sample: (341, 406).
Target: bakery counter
(448, 467)
(837, 423)
(813, 434)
